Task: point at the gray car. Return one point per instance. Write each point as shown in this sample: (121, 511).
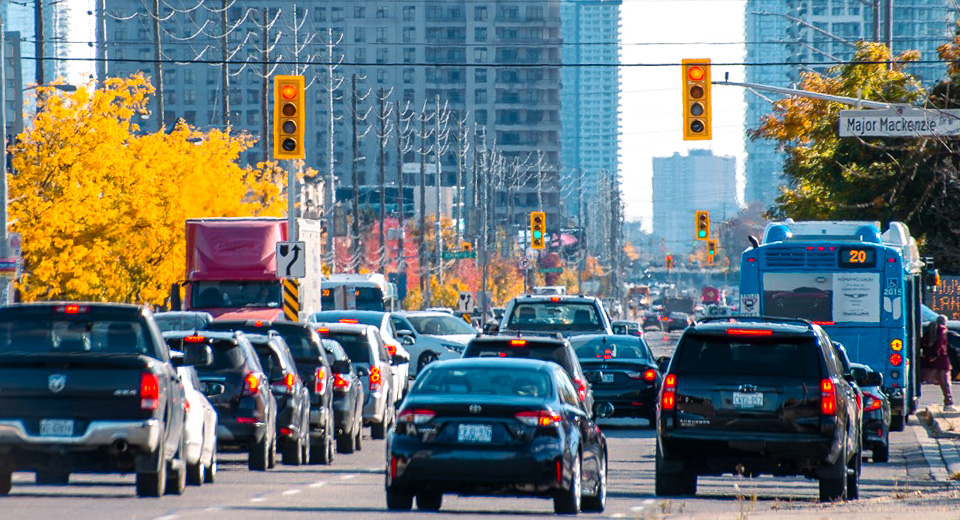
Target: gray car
(367, 351)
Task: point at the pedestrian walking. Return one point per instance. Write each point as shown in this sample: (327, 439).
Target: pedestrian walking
(935, 362)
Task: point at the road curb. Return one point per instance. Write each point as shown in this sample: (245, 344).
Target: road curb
(944, 428)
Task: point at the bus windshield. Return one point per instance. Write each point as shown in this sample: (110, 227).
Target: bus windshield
(823, 297)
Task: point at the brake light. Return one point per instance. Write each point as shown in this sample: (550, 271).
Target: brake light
(668, 398)
(391, 349)
(872, 403)
(542, 418)
(555, 299)
(320, 381)
(251, 384)
(72, 309)
(375, 380)
(649, 375)
(822, 323)
(247, 420)
(518, 342)
(258, 323)
(193, 339)
(323, 330)
(581, 387)
(149, 391)
(749, 332)
(339, 383)
(348, 320)
(289, 380)
(828, 397)
(896, 359)
(859, 401)
(186, 405)
(416, 416)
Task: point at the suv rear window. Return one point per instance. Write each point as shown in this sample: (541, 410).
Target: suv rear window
(796, 357)
(79, 334)
(532, 350)
(537, 315)
(355, 345)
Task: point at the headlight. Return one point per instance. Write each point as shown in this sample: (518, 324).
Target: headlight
(453, 347)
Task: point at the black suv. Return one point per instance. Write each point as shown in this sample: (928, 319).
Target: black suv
(557, 350)
(313, 367)
(239, 389)
(293, 399)
(758, 395)
(548, 315)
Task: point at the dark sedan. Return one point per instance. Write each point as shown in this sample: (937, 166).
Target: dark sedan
(510, 427)
(876, 411)
(622, 371)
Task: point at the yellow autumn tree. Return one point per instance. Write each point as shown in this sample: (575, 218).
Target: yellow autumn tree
(100, 206)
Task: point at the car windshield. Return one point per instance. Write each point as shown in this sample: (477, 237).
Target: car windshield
(484, 381)
(42, 335)
(219, 294)
(355, 345)
(545, 315)
(178, 321)
(613, 349)
(440, 325)
(784, 357)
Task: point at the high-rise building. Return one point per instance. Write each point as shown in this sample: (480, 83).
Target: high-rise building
(684, 184)
(590, 113)
(820, 33)
(59, 35)
(13, 93)
(494, 64)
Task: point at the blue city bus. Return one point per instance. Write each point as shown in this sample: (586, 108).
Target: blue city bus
(861, 286)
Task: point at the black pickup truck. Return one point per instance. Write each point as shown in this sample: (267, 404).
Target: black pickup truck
(89, 388)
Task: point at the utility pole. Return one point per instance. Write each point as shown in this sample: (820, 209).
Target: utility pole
(39, 40)
(331, 209)
(382, 136)
(264, 104)
(439, 150)
(101, 41)
(483, 246)
(401, 133)
(224, 70)
(888, 26)
(357, 243)
(424, 257)
(157, 65)
(581, 250)
(876, 21)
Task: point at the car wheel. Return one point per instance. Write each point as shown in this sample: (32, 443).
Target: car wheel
(881, 451)
(398, 501)
(897, 423)
(379, 430)
(196, 474)
(429, 501)
(567, 501)
(177, 478)
(669, 483)
(834, 488)
(153, 483)
(425, 359)
(853, 477)
(358, 443)
(293, 452)
(273, 452)
(52, 478)
(6, 482)
(597, 503)
(210, 475)
(259, 455)
(347, 444)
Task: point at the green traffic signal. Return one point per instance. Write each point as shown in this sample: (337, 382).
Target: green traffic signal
(703, 233)
(537, 234)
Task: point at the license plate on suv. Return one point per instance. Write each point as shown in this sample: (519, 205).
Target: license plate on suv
(475, 433)
(747, 399)
(56, 427)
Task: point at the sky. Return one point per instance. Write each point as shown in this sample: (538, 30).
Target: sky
(651, 102)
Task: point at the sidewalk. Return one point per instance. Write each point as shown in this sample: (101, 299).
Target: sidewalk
(944, 427)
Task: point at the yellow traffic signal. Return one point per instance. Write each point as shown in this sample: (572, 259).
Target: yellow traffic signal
(703, 225)
(668, 262)
(288, 112)
(538, 229)
(710, 260)
(466, 246)
(696, 100)
(711, 247)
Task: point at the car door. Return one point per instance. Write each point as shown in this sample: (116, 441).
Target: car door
(586, 430)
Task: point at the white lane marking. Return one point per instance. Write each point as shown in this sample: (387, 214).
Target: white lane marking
(290, 492)
(374, 469)
(318, 484)
(213, 509)
(258, 499)
(637, 508)
(648, 502)
(167, 517)
(348, 477)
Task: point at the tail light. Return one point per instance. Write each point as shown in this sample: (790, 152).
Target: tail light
(649, 375)
(896, 359)
(872, 403)
(539, 418)
(251, 384)
(391, 349)
(416, 416)
(581, 387)
(320, 381)
(375, 381)
(668, 398)
(289, 380)
(828, 397)
(149, 391)
(518, 342)
(339, 383)
(186, 405)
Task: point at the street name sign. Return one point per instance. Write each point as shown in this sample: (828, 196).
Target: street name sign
(454, 255)
(899, 122)
(551, 270)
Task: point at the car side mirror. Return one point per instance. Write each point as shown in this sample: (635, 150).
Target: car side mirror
(663, 362)
(341, 366)
(491, 327)
(176, 358)
(873, 379)
(198, 355)
(603, 410)
(398, 359)
(212, 389)
(859, 375)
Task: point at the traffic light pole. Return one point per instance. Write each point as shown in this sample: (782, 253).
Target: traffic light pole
(855, 102)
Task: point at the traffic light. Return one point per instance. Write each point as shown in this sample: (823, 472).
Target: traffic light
(711, 247)
(709, 259)
(466, 246)
(703, 225)
(668, 262)
(288, 111)
(538, 229)
(696, 100)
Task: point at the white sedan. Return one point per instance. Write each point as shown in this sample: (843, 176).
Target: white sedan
(200, 430)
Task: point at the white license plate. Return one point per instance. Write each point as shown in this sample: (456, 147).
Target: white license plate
(607, 378)
(747, 400)
(474, 433)
(56, 427)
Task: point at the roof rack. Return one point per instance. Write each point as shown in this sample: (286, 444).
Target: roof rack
(756, 319)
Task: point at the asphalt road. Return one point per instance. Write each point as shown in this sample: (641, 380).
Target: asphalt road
(352, 488)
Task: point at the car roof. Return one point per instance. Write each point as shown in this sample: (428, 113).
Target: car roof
(347, 313)
(181, 313)
(556, 298)
(509, 337)
(180, 334)
(721, 325)
(496, 363)
(586, 338)
(408, 314)
(356, 328)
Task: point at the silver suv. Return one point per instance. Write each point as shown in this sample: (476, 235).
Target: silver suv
(549, 315)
